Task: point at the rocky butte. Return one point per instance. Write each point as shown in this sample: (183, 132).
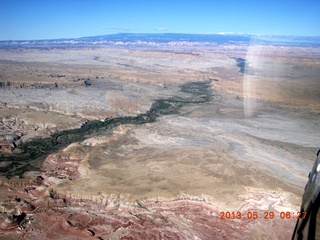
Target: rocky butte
(156, 136)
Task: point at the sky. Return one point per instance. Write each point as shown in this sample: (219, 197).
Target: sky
(55, 19)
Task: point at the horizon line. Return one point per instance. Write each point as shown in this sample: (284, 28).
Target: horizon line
(163, 33)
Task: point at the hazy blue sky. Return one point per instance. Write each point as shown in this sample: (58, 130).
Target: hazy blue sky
(32, 19)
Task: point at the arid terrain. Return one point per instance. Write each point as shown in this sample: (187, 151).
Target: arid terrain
(133, 143)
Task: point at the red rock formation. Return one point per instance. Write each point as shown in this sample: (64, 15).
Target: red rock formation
(62, 167)
(32, 209)
(52, 216)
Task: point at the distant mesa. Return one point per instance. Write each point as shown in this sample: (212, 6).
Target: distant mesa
(160, 39)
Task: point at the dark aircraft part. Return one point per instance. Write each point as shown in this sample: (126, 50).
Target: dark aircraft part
(309, 227)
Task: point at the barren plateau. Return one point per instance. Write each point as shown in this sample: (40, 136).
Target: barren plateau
(133, 143)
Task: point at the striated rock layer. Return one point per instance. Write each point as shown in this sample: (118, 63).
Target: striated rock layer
(40, 213)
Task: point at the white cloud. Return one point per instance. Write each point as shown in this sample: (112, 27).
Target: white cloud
(162, 29)
(116, 28)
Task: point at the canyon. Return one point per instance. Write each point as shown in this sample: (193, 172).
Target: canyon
(143, 142)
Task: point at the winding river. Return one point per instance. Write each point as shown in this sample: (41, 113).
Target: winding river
(33, 152)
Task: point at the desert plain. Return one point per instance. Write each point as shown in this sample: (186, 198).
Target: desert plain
(226, 128)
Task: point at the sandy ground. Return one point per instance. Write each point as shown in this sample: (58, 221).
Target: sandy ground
(249, 149)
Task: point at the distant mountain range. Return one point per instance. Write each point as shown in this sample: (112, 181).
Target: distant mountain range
(164, 39)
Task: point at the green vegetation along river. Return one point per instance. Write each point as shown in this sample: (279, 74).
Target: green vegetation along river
(32, 153)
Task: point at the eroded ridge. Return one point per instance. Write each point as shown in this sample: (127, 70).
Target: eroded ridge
(35, 210)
